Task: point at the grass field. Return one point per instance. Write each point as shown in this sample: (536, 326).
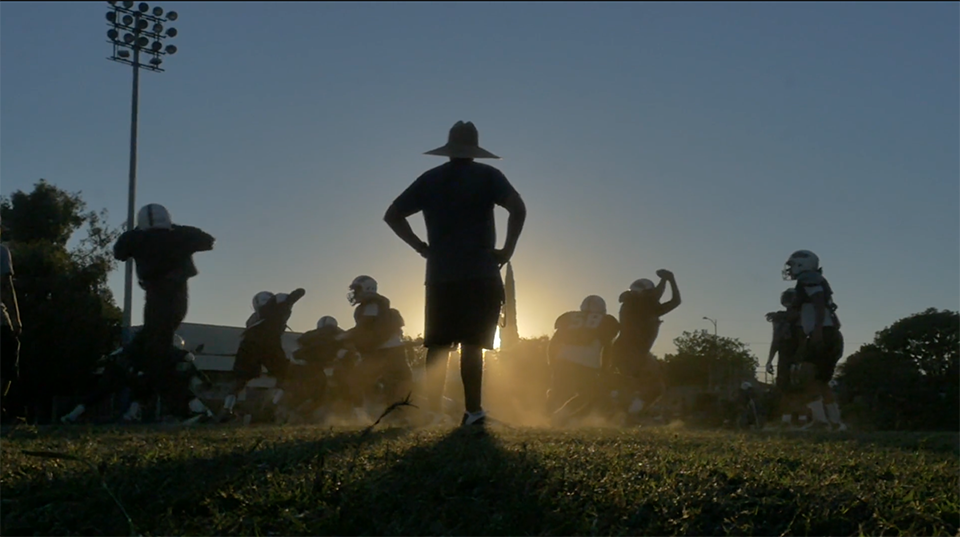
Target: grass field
(306, 480)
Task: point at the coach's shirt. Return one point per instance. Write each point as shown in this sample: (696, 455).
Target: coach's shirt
(457, 199)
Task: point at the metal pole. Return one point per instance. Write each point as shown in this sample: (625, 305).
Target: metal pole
(716, 356)
(716, 345)
(132, 195)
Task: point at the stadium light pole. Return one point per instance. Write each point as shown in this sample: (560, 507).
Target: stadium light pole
(137, 30)
(716, 352)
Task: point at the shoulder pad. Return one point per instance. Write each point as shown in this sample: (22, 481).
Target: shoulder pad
(562, 319)
(810, 278)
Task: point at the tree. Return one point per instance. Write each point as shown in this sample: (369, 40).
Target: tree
(509, 332)
(69, 315)
(909, 377)
(700, 354)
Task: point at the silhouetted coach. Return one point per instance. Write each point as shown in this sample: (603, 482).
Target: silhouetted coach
(464, 291)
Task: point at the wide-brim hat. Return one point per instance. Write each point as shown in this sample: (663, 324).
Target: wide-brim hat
(462, 142)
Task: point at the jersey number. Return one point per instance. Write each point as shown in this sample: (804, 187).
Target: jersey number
(591, 320)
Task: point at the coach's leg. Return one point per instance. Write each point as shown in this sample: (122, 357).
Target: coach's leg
(471, 373)
(439, 321)
(480, 314)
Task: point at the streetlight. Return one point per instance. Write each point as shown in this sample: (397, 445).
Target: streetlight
(135, 30)
(716, 352)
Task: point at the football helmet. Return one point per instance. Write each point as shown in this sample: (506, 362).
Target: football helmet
(325, 321)
(260, 299)
(594, 304)
(642, 285)
(799, 262)
(361, 288)
(153, 216)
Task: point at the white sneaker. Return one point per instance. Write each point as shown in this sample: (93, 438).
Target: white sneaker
(73, 415)
(474, 418)
(133, 413)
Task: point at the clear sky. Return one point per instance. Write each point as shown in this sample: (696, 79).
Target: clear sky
(709, 139)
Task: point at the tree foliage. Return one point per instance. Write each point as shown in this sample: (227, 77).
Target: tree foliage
(909, 377)
(68, 312)
(701, 358)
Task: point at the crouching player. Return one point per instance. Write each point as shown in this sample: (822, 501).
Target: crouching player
(576, 356)
(318, 350)
(377, 336)
(261, 345)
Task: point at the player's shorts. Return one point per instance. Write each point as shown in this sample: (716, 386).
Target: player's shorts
(465, 312)
(825, 357)
(786, 357)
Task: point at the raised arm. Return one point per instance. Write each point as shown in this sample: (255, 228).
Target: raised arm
(123, 248)
(667, 307)
(195, 239)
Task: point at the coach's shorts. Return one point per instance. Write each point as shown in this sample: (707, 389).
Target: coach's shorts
(10, 355)
(465, 312)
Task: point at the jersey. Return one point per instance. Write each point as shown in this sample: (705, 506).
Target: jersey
(582, 338)
(276, 312)
(782, 325)
(810, 284)
(163, 254)
(261, 343)
(379, 326)
(639, 321)
(319, 346)
(6, 271)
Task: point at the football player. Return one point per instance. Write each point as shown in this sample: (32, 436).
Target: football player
(784, 345)
(377, 336)
(821, 342)
(163, 252)
(640, 314)
(261, 344)
(318, 349)
(176, 385)
(10, 328)
(581, 343)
